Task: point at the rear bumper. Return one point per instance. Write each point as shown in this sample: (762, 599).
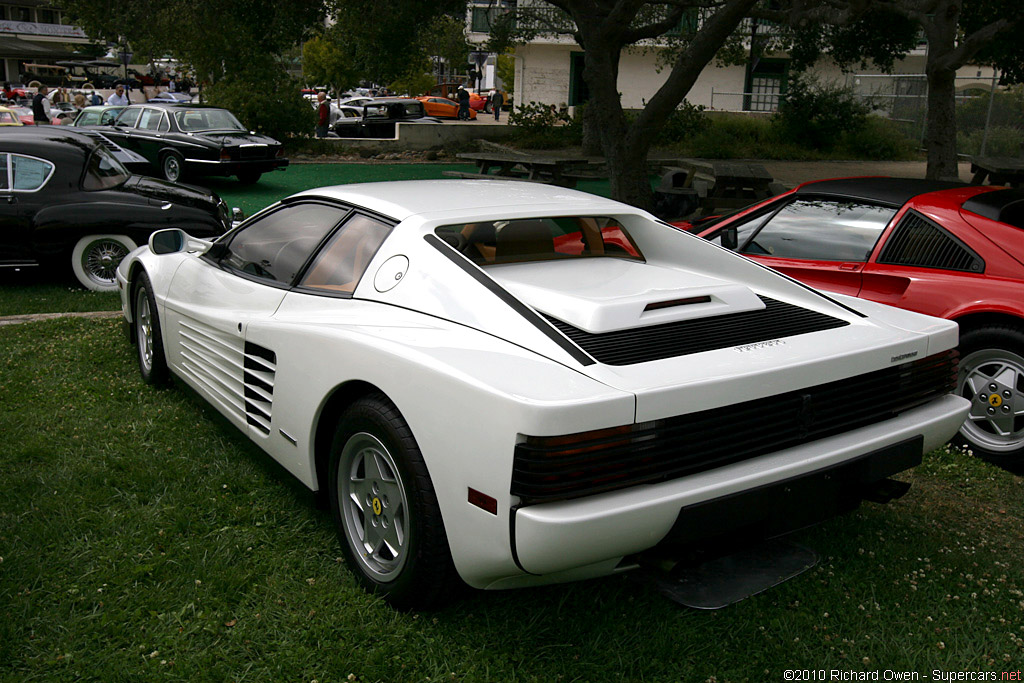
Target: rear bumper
(613, 525)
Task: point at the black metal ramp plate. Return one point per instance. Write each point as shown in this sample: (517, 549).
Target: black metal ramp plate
(722, 581)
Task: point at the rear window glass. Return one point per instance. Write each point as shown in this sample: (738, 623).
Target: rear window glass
(103, 171)
(540, 239)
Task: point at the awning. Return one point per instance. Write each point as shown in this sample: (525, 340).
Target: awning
(21, 49)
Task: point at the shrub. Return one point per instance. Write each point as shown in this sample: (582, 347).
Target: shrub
(543, 126)
(1003, 141)
(686, 121)
(878, 140)
(272, 105)
(817, 115)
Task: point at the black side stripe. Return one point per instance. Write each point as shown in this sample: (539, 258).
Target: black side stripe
(518, 306)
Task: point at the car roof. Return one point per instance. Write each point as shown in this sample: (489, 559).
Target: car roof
(450, 199)
(39, 139)
(172, 105)
(893, 191)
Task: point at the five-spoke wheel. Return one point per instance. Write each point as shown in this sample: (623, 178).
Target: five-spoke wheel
(385, 508)
(992, 379)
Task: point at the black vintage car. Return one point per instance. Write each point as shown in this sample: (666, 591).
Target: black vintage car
(65, 198)
(381, 114)
(189, 139)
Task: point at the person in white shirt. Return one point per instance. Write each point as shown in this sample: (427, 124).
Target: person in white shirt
(118, 97)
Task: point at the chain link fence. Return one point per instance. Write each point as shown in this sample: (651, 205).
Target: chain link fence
(986, 125)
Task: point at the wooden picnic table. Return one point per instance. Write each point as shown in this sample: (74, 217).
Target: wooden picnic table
(998, 171)
(721, 184)
(531, 167)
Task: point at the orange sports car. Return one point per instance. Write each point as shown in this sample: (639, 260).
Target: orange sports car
(443, 108)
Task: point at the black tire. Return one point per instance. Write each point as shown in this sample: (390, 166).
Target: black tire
(172, 166)
(994, 429)
(387, 517)
(249, 177)
(149, 342)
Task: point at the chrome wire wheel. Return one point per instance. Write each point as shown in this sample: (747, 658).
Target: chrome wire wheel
(144, 328)
(374, 508)
(993, 381)
(100, 260)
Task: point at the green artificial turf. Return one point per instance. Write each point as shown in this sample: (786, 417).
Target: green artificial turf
(143, 538)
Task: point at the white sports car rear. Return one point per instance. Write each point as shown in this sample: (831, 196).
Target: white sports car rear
(515, 384)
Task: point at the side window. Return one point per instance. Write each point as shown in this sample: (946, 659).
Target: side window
(108, 116)
(150, 119)
(28, 173)
(275, 246)
(128, 117)
(164, 125)
(89, 118)
(4, 185)
(342, 262)
(819, 229)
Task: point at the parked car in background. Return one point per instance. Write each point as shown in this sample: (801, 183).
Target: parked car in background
(9, 118)
(448, 91)
(186, 139)
(69, 202)
(179, 97)
(443, 108)
(945, 249)
(24, 114)
(98, 115)
(382, 113)
(346, 121)
(514, 384)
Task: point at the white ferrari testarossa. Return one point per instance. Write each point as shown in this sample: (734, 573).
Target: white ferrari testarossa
(516, 384)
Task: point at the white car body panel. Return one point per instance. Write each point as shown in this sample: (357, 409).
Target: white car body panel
(450, 345)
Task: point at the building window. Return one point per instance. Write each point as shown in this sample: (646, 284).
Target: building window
(483, 18)
(21, 13)
(47, 16)
(766, 82)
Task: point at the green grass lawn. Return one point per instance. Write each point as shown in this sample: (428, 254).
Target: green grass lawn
(143, 538)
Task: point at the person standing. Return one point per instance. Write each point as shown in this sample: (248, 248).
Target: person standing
(323, 113)
(497, 102)
(463, 97)
(95, 99)
(41, 107)
(118, 97)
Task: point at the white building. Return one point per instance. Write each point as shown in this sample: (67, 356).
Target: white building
(549, 70)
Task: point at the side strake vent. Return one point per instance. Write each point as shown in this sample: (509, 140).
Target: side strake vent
(919, 242)
(260, 368)
(681, 338)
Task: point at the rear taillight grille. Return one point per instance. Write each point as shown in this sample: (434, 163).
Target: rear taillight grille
(570, 466)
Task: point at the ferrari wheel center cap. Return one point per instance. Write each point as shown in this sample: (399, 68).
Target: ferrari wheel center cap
(377, 507)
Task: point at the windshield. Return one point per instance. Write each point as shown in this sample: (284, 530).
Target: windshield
(541, 239)
(193, 120)
(103, 171)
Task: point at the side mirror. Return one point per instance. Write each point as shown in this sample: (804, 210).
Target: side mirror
(730, 240)
(237, 216)
(174, 240)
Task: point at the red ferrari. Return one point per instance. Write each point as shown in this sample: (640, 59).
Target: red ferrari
(946, 249)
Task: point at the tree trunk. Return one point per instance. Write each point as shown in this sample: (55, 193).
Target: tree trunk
(591, 132)
(940, 130)
(940, 134)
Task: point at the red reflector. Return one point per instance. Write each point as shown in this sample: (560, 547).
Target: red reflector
(225, 155)
(483, 501)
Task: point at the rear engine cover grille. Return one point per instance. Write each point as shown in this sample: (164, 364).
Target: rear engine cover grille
(558, 468)
(656, 342)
